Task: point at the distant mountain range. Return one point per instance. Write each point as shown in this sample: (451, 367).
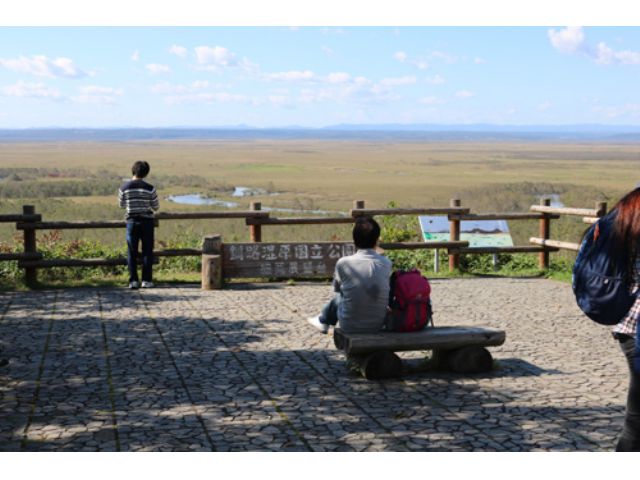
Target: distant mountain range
(380, 132)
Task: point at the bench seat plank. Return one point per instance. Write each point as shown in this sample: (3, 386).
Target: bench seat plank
(434, 338)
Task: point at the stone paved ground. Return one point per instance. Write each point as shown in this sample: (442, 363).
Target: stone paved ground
(239, 370)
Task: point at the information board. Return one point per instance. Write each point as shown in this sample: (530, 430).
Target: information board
(479, 233)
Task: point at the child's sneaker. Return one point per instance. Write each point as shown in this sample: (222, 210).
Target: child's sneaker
(146, 284)
(317, 324)
(133, 285)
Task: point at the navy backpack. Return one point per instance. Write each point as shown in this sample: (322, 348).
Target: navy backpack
(600, 277)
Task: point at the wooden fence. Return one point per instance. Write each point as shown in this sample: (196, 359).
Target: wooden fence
(255, 218)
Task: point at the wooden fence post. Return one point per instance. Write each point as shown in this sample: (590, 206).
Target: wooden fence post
(30, 273)
(601, 209)
(454, 236)
(544, 233)
(212, 262)
(255, 231)
(358, 204)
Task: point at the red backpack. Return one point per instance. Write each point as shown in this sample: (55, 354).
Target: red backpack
(410, 302)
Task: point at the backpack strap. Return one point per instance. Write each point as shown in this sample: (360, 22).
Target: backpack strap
(392, 284)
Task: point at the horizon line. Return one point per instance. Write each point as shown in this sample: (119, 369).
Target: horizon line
(333, 126)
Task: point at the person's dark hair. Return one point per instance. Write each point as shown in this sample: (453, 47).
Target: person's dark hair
(140, 169)
(627, 223)
(366, 232)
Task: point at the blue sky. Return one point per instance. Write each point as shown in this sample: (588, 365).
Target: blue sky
(315, 76)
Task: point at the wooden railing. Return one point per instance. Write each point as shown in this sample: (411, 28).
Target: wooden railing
(255, 218)
(588, 216)
(30, 253)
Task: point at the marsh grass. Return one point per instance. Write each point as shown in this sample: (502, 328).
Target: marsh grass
(78, 181)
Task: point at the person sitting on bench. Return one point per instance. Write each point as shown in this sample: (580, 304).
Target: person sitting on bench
(361, 283)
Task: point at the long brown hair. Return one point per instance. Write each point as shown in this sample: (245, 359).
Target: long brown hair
(627, 223)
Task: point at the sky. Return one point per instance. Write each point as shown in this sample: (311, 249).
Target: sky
(269, 76)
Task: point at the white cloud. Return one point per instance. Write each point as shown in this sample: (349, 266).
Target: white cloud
(568, 40)
(443, 56)
(31, 90)
(166, 88)
(291, 76)
(156, 68)
(135, 56)
(215, 57)
(200, 84)
(465, 94)
(338, 77)
(278, 100)
(419, 63)
(436, 80)
(95, 94)
(178, 51)
(199, 91)
(379, 94)
(248, 66)
(606, 56)
(207, 97)
(400, 56)
(98, 90)
(90, 94)
(311, 96)
(42, 66)
(394, 82)
(431, 101)
(572, 40)
(479, 60)
(353, 90)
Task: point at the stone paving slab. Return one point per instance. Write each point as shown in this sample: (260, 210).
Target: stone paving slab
(181, 369)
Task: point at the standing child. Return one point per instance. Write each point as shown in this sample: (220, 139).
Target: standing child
(140, 200)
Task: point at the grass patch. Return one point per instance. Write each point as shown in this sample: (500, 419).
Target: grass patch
(269, 168)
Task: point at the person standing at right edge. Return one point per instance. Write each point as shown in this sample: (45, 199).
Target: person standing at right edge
(627, 231)
(140, 200)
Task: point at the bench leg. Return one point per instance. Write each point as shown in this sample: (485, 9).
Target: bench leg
(470, 359)
(377, 365)
(338, 339)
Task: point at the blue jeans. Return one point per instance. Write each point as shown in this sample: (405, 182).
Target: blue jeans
(140, 230)
(329, 314)
(629, 440)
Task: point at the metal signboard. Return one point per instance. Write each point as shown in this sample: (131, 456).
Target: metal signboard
(479, 233)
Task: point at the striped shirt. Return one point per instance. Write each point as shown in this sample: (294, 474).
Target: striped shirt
(139, 198)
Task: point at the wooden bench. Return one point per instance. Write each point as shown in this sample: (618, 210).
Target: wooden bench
(457, 349)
